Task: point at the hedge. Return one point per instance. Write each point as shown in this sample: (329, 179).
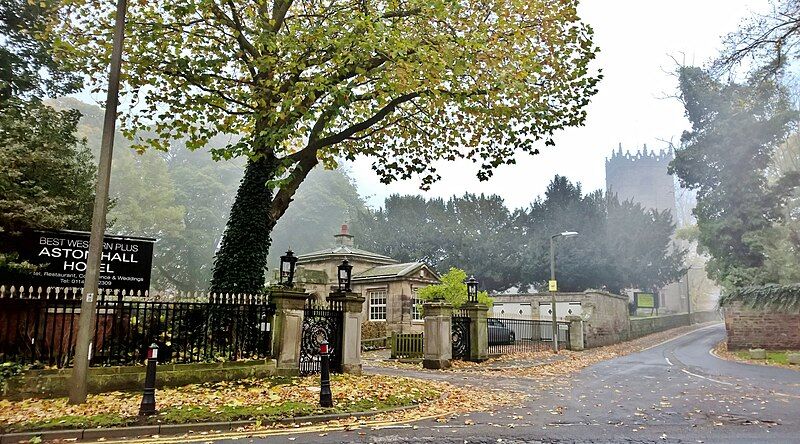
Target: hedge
(780, 298)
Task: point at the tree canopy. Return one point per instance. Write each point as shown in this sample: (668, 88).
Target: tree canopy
(405, 82)
(768, 41)
(27, 67)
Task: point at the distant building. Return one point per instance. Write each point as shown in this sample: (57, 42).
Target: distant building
(642, 178)
(390, 287)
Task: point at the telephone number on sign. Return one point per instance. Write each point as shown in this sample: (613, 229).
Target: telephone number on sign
(80, 282)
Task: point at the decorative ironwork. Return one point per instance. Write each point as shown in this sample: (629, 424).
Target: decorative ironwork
(460, 334)
(321, 323)
(187, 328)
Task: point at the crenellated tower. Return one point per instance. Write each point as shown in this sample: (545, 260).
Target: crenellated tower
(642, 178)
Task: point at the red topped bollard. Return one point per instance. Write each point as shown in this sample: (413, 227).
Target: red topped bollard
(325, 396)
(148, 405)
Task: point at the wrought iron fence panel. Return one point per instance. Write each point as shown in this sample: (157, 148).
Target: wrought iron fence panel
(508, 335)
(39, 327)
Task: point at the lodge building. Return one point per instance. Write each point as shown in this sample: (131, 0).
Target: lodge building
(389, 287)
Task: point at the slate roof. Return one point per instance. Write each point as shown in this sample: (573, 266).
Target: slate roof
(345, 250)
(391, 271)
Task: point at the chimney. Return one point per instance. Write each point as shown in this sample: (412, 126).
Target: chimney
(344, 237)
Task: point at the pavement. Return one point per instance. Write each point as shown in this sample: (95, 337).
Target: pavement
(674, 392)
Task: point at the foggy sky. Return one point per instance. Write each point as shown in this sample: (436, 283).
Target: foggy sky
(638, 41)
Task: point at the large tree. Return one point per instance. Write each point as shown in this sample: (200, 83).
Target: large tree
(407, 82)
(725, 158)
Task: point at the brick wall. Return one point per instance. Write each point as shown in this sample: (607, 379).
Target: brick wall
(749, 328)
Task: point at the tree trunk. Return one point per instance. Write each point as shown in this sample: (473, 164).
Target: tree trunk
(241, 261)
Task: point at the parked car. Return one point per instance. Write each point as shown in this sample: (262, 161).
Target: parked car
(499, 333)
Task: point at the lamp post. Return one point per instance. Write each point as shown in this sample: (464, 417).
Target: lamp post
(553, 285)
(472, 289)
(345, 274)
(288, 262)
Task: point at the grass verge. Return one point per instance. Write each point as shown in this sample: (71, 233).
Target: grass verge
(262, 400)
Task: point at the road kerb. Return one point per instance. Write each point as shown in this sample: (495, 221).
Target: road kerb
(180, 429)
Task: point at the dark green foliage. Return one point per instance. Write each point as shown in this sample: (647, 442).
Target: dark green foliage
(47, 178)
(48, 174)
(241, 260)
(735, 129)
(620, 245)
(27, 67)
(781, 298)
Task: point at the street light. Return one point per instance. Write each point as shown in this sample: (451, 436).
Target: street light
(472, 289)
(288, 262)
(553, 285)
(345, 271)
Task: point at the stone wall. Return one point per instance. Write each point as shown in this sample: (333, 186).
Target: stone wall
(605, 315)
(645, 326)
(54, 383)
(750, 328)
(608, 321)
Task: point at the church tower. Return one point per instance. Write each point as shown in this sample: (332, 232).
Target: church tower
(642, 178)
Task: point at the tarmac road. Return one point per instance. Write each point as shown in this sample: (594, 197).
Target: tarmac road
(675, 392)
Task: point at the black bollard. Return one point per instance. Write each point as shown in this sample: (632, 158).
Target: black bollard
(325, 396)
(148, 405)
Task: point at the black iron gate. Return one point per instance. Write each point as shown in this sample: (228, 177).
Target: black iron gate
(321, 322)
(460, 330)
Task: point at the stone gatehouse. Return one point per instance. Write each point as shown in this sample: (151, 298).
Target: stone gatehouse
(389, 287)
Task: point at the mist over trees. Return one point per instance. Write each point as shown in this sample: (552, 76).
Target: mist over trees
(745, 190)
(621, 245)
(182, 198)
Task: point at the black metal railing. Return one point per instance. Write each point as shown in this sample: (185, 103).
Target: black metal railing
(39, 326)
(508, 335)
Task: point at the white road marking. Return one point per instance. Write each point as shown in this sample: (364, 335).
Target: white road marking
(680, 336)
(703, 377)
(668, 361)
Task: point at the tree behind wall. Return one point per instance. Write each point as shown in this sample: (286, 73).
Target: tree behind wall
(620, 245)
(308, 82)
(735, 129)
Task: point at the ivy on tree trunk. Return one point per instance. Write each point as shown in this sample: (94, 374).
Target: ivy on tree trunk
(241, 260)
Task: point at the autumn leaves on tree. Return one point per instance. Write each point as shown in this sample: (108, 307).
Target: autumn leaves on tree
(302, 82)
